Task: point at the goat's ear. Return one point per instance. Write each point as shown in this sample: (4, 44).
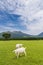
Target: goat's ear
(14, 50)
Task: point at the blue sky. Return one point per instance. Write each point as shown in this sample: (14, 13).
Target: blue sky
(21, 15)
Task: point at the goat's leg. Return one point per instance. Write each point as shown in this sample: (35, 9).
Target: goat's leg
(17, 55)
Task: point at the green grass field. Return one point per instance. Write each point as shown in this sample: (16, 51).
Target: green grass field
(34, 50)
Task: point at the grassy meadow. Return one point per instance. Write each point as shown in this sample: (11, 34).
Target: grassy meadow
(34, 50)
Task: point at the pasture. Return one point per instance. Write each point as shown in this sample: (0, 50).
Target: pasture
(34, 50)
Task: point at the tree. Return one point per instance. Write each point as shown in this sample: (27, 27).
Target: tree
(6, 35)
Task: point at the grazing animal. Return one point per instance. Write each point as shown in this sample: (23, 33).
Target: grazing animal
(20, 51)
(19, 45)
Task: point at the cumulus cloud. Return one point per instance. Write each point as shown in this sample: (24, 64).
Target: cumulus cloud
(31, 12)
(36, 25)
(7, 28)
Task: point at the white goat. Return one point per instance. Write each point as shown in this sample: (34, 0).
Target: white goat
(20, 51)
(19, 45)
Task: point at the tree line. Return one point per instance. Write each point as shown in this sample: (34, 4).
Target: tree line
(7, 36)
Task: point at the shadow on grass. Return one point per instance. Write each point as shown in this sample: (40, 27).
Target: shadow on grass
(20, 56)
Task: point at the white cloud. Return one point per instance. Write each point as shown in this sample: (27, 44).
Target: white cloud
(36, 26)
(6, 28)
(31, 12)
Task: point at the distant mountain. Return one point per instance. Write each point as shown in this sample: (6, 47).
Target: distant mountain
(16, 34)
(41, 34)
(19, 34)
